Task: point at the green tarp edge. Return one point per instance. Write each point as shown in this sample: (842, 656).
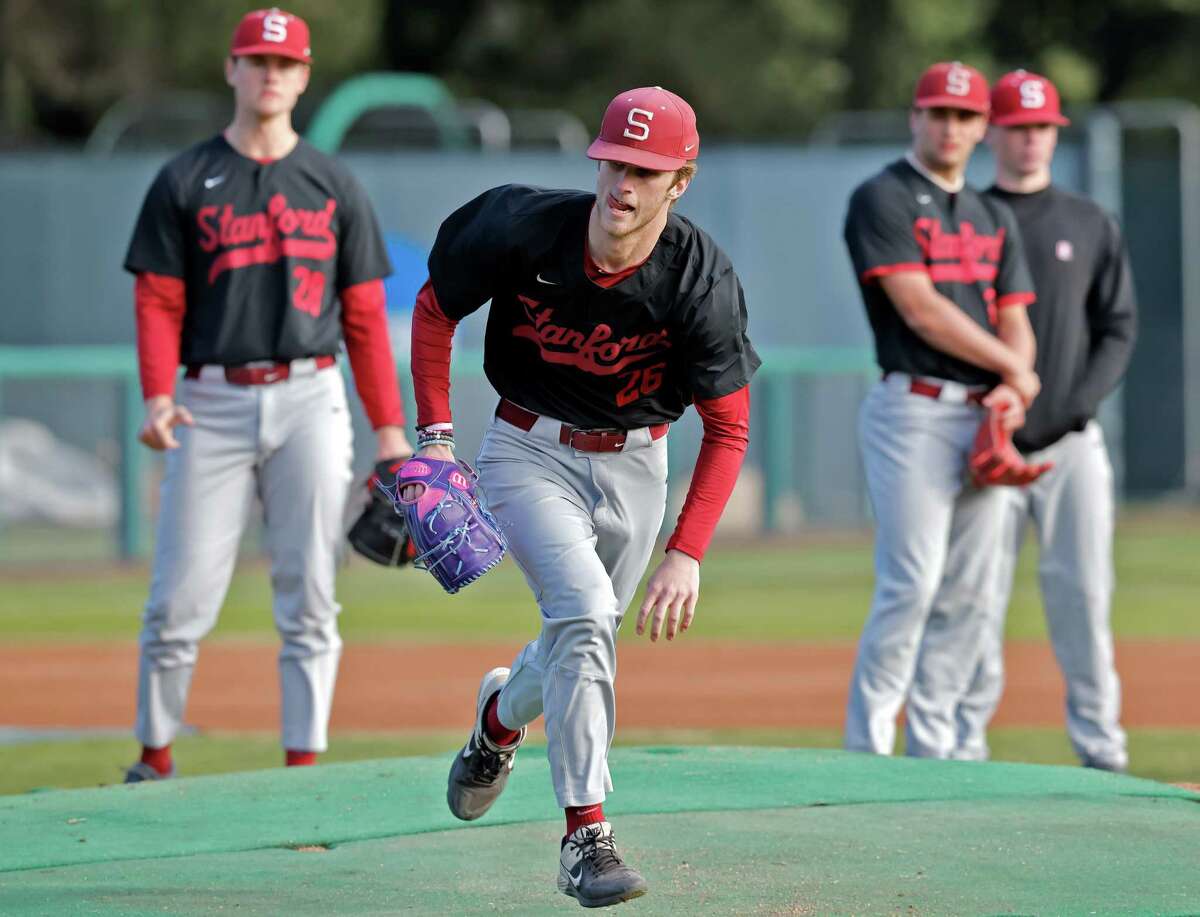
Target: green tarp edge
(337, 804)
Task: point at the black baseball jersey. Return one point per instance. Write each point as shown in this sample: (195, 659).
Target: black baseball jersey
(263, 249)
(969, 245)
(1085, 319)
(627, 356)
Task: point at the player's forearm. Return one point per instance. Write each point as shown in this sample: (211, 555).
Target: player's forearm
(941, 324)
(159, 303)
(364, 327)
(722, 450)
(432, 333)
(1106, 365)
(1014, 329)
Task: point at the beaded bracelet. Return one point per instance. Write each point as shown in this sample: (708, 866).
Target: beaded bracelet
(435, 438)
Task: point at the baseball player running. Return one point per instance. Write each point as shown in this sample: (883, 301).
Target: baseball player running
(1085, 323)
(945, 287)
(609, 314)
(255, 254)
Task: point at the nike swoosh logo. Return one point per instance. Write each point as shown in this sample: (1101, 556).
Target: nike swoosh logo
(575, 873)
(923, 199)
(213, 182)
(687, 149)
(549, 283)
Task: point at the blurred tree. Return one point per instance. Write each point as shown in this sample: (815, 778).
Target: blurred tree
(1101, 50)
(889, 42)
(754, 68)
(420, 35)
(760, 68)
(65, 61)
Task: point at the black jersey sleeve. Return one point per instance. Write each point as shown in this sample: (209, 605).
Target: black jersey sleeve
(1112, 322)
(1014, 282)
(879, 231)
(470, 256)
(362, 255)
(720, 358)
(157, 245)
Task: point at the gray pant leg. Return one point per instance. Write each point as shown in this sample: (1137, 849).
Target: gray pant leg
(1074, 515)
(206, 497)
(961, 616)
(914, 454)
(575, 522)
(304, 481)
(979, 701)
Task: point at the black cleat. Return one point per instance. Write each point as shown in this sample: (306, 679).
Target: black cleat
(481, 769)
(592, 872)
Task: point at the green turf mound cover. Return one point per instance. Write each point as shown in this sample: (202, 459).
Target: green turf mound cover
(724, 830)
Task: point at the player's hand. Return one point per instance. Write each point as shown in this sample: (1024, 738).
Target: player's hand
(162, 416)
(1025, 383)
(437, 451)
(671, 595)
(1005, 401)
(391, 443)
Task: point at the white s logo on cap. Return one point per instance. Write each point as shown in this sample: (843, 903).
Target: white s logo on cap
(274, 27)
(1033, 94)
(642, 126)
(958, 81)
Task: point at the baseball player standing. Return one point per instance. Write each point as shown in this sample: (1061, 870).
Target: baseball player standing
(255, 254)
(945, 287)
(1085, 323)
(609, 314)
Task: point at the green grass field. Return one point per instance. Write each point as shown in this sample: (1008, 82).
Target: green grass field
(802, 590)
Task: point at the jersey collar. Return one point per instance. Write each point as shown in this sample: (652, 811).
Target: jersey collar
(949, 187)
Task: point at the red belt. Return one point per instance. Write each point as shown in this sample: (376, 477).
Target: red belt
(263, 374)
(583, 440)
(935, 389)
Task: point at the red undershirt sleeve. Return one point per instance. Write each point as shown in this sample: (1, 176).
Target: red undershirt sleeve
(159, 304)
(364, 326)
(432, 332)
(726, 434)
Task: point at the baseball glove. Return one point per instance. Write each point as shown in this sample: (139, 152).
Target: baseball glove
(995, 460)
(456, 539)
(380, 533)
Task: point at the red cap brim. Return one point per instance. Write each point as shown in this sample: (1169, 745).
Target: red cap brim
(618, 152)
(949, 101)
(1029, 117)
(271, 49)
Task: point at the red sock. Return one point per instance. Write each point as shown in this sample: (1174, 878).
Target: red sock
(577, 816)
(158, 758)
(497, 731)
(300, 758)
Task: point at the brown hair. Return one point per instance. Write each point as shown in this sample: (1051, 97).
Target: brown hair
(686, 171)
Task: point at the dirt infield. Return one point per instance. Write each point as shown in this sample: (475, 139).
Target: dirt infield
(699, 685)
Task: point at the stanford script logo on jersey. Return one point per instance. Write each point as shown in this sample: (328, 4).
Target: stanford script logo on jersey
(595, 352)
(967, 255)
(263, 237)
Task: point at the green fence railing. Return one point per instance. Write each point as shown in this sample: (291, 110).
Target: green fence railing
(114, 364)
(774, 409)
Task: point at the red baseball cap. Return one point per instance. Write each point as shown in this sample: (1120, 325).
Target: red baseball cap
(272, 32)
(1022, 97)
(648, 127)
(952, 84)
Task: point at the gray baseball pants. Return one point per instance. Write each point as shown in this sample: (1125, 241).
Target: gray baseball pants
(936, 560)
(289, 445)
(1071, 508)
(581, 526)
